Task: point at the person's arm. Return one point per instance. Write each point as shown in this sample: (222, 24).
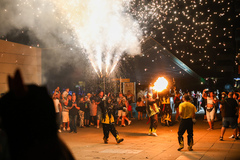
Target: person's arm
(203, 94)
(77, 107)
(60, 107)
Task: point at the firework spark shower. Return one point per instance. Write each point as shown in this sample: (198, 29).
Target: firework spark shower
(103, 29)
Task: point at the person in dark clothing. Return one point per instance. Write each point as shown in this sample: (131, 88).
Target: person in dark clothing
(228, 110)
(81, 105)
(73, 112)
(108, 121)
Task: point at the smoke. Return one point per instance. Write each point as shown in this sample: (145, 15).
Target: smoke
(104, 30)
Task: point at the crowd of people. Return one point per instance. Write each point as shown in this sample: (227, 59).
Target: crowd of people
(84, 111)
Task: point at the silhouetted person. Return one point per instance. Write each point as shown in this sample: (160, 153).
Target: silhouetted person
(29, 120)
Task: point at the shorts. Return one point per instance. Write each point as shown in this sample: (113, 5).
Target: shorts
(121, 113)
(210, 115)
(139, 109)
(99, 113)
(226, 121)
(65, 116)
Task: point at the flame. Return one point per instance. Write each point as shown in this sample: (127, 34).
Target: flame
(160, 84)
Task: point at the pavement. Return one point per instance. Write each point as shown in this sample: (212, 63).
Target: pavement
(87, 143)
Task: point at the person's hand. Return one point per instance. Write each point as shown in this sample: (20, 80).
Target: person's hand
(194, 120)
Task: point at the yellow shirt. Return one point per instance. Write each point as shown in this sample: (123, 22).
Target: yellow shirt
(108, 120)
(187, 109)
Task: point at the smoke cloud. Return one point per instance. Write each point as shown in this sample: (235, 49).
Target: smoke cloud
(103, 30)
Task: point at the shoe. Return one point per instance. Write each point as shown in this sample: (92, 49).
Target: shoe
(123, 125)
(190, 148)
(97, 126)
(120, 140)
(87, 126)
(129, 122)
(180, 148)
(64, 129)
(68, 129)
(221, 138)
(59, 131)
(149, 134)
(209, 129)
(232, 136)
(236, 138)
(75, 131)
(105, 140)
(154, 134)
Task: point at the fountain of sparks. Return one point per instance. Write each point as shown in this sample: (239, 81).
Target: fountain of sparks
(104, 29)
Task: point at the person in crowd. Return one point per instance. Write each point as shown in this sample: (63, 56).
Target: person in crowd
(130, 99)
(199, 100)
(65, 95)
(236, 96)
(107, 120)
(57, 92)
(58, 110)
(228, 110)
(65, 113)
(81, 112)
(152, 111)
(144, 99)
(93, 113)
(122, 110)
(177, 101)
(73, 112)
(87, 104)
(187, 113)
(99, 101)
(139, 108)
(210, 110)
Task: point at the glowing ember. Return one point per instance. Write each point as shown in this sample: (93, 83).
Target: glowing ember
(160, 84)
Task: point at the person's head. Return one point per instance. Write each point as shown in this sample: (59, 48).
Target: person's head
(224, 95)
(69, 97)
(211, 94)
(89, 95)
(101, 94)
(74, 97)
(67, 90)
(81, 99)
(73, 94)
(57, 88)
(93, 101)
(230, 95)
(186, 98)
(120, 95)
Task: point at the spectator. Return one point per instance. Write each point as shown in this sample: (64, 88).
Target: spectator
(177, 101)
(93, 113)
(228, 110)
(130, 99)
(81, 111)
(87, 104)
(99, 102)
(73, 111)
(65, 113)
(65, 95)
(58, 110)
(122, 112)
(139, 108)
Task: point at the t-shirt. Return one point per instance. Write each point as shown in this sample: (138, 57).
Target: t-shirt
(229, 107)
(93, 109)
(74, 110)
(187, 109)
(82, 106)
(56, 103)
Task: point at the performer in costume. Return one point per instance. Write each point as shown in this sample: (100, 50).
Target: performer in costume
(108, 121)
(152, 111)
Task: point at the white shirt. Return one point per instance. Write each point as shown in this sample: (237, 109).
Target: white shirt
(56, 103)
